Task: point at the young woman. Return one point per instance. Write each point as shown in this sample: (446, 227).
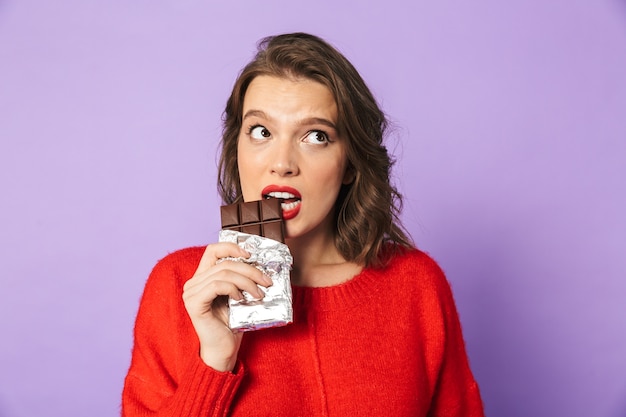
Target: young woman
(375, 328)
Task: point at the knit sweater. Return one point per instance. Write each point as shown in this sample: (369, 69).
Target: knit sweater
(388, 342)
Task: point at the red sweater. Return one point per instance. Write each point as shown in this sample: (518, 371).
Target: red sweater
(386, 343)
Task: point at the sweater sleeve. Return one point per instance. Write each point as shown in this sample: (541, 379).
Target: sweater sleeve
(166, 375)
(456, 391)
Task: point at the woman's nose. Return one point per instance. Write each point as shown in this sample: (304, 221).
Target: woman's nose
(284, 160)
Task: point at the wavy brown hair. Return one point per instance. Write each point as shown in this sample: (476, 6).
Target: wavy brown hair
(367, 210)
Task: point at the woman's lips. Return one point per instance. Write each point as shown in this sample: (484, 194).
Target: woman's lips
(291, 199)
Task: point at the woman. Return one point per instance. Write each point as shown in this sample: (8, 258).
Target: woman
(375, 328)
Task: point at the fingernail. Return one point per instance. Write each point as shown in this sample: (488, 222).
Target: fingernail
(267, 280)
(261, 293)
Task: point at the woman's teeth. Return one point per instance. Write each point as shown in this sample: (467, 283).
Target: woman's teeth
(289, 206)
(283, 195)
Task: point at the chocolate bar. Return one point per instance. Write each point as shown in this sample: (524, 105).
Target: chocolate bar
(262, 217)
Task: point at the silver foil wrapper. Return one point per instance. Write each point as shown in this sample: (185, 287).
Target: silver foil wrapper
(274, 259)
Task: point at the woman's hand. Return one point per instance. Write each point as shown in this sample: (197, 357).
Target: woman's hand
(206, 299)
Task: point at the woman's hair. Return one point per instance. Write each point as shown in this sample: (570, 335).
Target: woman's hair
(367, 210)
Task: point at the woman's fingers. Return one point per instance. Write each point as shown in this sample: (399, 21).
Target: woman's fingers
(225, 282)
(200, 300)
(220, 250)
(228, 278)
(228, 270)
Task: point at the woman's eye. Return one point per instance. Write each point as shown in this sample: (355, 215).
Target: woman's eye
(259, 132)
(316, 136)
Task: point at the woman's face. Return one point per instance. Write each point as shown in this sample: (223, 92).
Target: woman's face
(289, 148)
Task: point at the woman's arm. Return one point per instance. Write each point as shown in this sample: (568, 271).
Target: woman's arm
(456, 392)
(168, 376)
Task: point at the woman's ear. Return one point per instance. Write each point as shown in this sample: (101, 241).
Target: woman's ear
(349, 175)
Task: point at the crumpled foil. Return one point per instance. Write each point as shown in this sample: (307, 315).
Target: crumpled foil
(274, 259)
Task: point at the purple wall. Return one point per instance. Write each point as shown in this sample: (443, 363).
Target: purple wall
(511, 130)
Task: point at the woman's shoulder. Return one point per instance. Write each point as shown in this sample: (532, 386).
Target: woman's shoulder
(179, 265)
(182, 257)
(410, 260)
(412, 267)
(161, 301)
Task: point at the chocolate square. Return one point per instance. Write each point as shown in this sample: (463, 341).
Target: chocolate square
(249, 212)
(261, 217)
(230, 215)
(270, 209)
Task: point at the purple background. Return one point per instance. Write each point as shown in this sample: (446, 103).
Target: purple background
(511, 141)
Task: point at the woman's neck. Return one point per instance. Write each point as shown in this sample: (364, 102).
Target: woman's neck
(318, 263)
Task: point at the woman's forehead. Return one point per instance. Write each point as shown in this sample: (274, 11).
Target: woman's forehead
(271, 96)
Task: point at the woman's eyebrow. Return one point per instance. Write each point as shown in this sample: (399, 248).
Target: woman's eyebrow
(317, 121)
(304, 122)
(255, 113)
